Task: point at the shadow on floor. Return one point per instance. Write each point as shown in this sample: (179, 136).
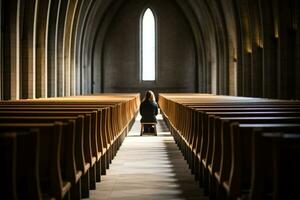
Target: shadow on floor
(161, 126)
(190, 190)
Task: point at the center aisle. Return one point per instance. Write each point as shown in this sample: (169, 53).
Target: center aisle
(148, 167)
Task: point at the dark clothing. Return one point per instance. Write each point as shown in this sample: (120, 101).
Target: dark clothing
(148, 110)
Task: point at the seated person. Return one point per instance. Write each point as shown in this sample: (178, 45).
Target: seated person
(148, 111)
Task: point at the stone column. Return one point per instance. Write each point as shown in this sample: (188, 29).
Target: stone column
(28, 61)
(11, 43)
(51, 51)
(1, 63)
(69, 24)
(41, 37)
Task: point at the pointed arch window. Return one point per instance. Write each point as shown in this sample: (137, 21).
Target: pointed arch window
(148, 46)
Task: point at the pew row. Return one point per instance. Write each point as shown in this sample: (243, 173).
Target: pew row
(209, 130)
(92, 130)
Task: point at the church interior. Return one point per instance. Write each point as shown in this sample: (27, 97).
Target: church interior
(226, 78)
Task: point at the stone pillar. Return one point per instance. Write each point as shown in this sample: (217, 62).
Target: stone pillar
(69, 24)
(28, 50)
(247, 72)
(286, 53)
(268, 52)
(1, 63)
(60, 48)
(51, 51)
(41, 35)
(11, 43)
(78, 53)
(297, 27)
(233, 76)
(257, 84)
(73, 47)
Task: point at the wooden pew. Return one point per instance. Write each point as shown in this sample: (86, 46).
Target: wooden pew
(218, 152)
(184, 126)
(281, 160)
(208, 136)
(218, 157)
(83, 105)
(8, 182)
(191, 139)
(48, 172)
(69, 158)
(239, 179)
(19, 165)
(85, 159)
(111, 131)
(107, 140)
(205, 142)
(198, 144)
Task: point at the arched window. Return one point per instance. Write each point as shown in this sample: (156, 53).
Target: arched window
(148, 46)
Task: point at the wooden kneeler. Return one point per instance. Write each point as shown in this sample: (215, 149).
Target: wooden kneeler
(148, 123)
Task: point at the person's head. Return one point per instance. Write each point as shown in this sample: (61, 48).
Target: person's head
(150, 96)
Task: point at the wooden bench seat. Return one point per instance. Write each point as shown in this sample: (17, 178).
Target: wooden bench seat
(218, 149)
(69, 159)
(201, 126)
(202, 146)
(48, 171)
(54, 107)
(105, 137)
(206, 147)
(101, 124)
(278, 154)
(86, 140)
(239, 178)
(8, 148)
(209, 125)
(191, 140)
(197, 142)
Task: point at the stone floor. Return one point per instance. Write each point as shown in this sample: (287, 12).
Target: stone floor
(148, 167)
